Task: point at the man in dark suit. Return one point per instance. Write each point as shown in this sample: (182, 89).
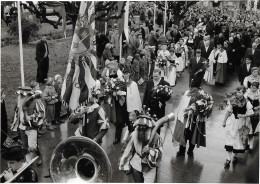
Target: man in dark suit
(206, 49)
(197, 69)
(157, 107)
(42, 58)
(245, 69)
(253, 53)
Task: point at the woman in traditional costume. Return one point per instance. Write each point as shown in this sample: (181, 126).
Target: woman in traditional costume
(221, 70)
(253, 95)
(171, 68)
(179, 51)
(208, 77)
(163, 54)
(254, 77)
(237, 125)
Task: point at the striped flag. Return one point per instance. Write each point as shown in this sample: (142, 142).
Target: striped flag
(81, 70)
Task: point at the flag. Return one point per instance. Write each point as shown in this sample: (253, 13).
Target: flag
(81, 70)
(123, 21)
(120, 5)
(126, 16)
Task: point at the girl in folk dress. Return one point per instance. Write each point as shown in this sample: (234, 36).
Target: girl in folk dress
(163, 54)
(50, 98)
(221, 70)
(253, 95)
(58, 86)
(179, 52)
(208, 77)
(254, 77)
(171, 66)
(185, 53)
(236, 123)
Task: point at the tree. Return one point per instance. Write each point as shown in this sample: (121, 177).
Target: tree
(177, 8)
(104, 11)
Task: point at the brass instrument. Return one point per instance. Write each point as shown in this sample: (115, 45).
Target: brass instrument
(159, 123)
(80, 159)
(17, 174)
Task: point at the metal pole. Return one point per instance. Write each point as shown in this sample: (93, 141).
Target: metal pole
(165, 16)
(154, 12)
(20, 41)
(120, 49)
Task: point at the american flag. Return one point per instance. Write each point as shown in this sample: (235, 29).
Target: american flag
(81, 70)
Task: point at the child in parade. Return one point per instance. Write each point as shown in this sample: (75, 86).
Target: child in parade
(237, 125)
(253, 95)
(50, 98)
(58, 86)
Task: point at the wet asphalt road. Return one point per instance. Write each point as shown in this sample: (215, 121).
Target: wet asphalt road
(206, 166)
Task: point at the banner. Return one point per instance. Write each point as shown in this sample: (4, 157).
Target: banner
(81, 70)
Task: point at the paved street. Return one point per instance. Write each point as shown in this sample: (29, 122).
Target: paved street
(207, 165)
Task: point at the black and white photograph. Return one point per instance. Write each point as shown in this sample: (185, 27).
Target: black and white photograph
(130, 91)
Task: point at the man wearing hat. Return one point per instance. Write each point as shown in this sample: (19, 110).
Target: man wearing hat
(95, 124)
(138, 157)
(197, 69)
(15, 158)
(245, 69)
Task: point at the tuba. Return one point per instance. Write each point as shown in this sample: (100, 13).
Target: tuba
(80, 159)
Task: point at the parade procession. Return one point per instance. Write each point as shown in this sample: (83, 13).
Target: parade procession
(130, 91)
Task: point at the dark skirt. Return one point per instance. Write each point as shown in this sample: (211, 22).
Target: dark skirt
(199, 134)
(254, 122)
(50, 112)
(110, 111)
(221, 73)
(122, 116)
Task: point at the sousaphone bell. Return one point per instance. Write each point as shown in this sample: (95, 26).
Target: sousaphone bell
(80, 159)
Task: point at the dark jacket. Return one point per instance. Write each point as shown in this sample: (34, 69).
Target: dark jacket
(150, 102)
(27, 176)
(41, 50)
(255, 57)
(243, 72)
(196, 78)
(205, 54)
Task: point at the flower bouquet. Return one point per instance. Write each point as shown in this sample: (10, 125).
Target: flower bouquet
(115, 87)
(162, 63)
(201, 103)
(162, 93)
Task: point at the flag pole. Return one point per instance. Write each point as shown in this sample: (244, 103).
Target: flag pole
(165, 16)
(20, 42)
(120, 49)
(154, 12)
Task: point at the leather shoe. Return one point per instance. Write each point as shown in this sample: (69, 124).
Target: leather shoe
(116, 141)
(234, 160)
(227, 164)
(179, 153)
(190, 153)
